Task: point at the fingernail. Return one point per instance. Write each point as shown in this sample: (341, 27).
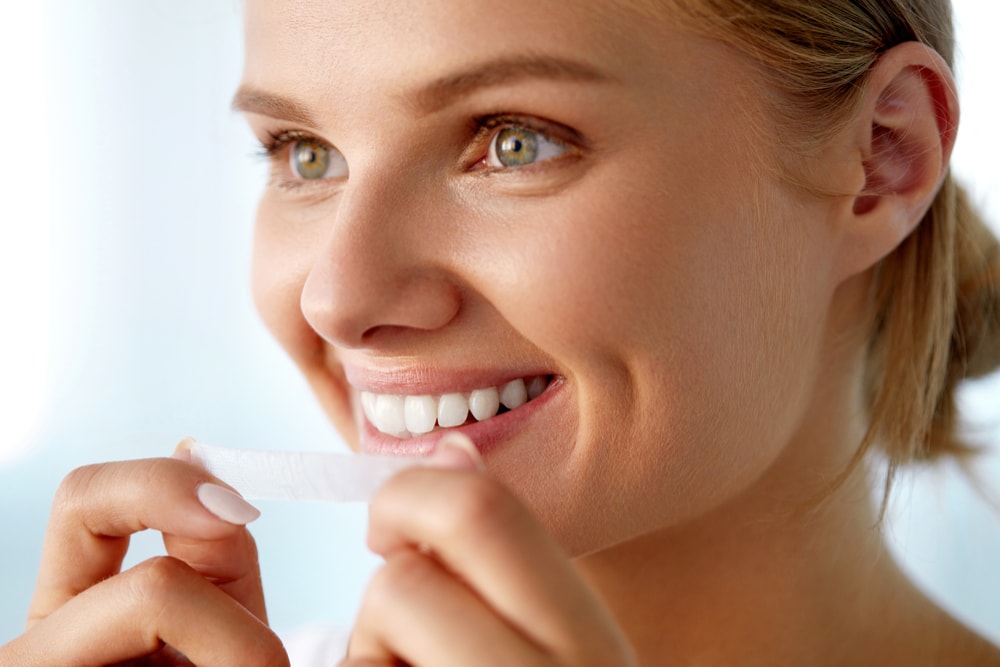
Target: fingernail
(226, 505)
(183, 449)
(455, 450)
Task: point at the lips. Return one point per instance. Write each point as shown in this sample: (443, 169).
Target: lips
(407, 416)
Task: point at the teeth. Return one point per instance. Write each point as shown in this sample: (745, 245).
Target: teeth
(406, 416)
(514, 394)
(484, 403)
(536, 386)
(420, 413)
(453, 410)
(389, 414)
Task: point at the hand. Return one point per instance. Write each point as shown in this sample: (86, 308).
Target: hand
(471, 578)
(203, 600)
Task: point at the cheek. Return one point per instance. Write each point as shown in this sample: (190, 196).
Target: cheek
(278, 273)
(739, 356)
(282, 260)
(688, 320)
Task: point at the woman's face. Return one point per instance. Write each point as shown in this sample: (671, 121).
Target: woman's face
(467, 193)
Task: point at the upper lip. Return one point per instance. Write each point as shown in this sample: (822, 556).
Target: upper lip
(426, 380)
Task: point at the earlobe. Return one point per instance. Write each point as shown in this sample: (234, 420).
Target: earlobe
(905, 133)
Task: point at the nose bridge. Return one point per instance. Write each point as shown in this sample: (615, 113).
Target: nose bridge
(375, 274)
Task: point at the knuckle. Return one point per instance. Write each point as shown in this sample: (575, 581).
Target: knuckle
(77, 499)
(76, 487)
(162, 586)
(477, 502)
(402, 576)
(156, 580)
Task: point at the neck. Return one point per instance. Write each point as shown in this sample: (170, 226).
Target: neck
(778, 576)
(794, 590)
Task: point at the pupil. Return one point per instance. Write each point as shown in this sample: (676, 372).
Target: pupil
(513, 145)
(516, 147)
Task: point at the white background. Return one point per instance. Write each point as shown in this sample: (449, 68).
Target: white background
(126, 198)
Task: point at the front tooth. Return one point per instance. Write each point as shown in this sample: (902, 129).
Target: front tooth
(536, 386)
(453, 410)
(484, 403)
(389, 414)
(514, 394)
(420, 413)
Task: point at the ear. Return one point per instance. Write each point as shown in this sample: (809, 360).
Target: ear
(904, 135)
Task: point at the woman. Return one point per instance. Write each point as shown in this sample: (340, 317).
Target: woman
(706, 254)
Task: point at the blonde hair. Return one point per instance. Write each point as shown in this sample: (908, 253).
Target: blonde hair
(936, 309)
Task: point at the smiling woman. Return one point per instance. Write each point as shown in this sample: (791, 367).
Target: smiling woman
(633, 282)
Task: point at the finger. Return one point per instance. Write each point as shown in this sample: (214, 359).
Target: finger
(159, 602)
(229, 563)
(97, 508)
(488, 538)
(416, 610)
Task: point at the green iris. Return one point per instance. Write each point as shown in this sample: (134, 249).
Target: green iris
(516, 146)
(310, 159)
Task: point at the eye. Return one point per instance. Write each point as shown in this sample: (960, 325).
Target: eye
(313, 160)
(519, 146)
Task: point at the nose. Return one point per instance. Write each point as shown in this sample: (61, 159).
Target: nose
(378, 274)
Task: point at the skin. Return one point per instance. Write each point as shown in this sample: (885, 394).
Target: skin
(704, 319)
(643, 337)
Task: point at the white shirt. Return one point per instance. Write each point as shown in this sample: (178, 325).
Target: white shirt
(317, 645)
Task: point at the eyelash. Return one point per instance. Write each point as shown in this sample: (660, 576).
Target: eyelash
(274, 149)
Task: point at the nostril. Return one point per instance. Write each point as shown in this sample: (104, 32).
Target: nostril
(427, 303)
(365, 307)
(384, 331)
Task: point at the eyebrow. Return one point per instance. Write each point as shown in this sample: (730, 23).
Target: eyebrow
(440, 92)
(252, 100)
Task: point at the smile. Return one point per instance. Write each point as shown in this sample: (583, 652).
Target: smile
(409, 416)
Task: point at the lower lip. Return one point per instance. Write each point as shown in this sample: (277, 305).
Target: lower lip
(487, 435)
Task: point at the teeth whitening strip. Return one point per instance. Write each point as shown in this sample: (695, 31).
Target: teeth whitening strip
(323, 476)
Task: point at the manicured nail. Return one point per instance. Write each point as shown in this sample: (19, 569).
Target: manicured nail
(226, 505)
(455, 450)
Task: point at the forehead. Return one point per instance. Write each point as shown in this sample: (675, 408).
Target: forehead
(311, 45)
